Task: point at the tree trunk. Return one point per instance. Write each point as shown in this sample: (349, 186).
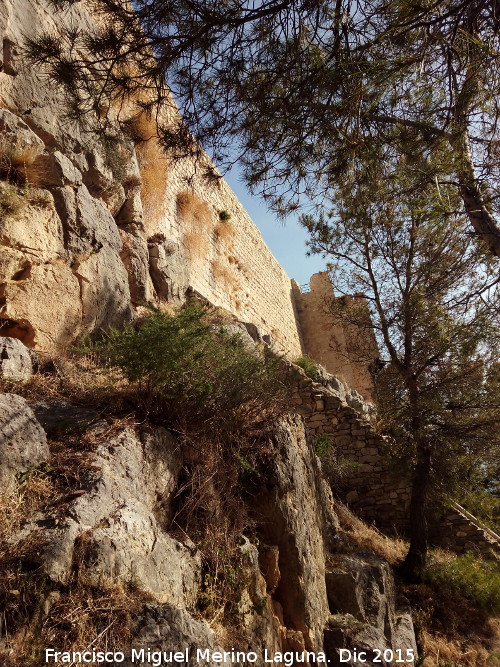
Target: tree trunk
(485, 225)
(413, 566)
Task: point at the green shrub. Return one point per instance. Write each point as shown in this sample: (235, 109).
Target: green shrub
(191, 368)
(224, 215)
(310, 367)
(323, 446)
(11, 199)
(471, 577)
(336, 467)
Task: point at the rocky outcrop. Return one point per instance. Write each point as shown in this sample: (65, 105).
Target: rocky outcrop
(168, 268)
(118, 515)
(362, 597)
(115, 527)
(16, 362)
(74, 256)
(23, 443)
(295, 481)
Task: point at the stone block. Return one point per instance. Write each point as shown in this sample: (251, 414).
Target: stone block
(15, 360)
(23, 443)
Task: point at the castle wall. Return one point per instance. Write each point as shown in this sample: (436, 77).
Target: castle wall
(341, 347)
(229, 262)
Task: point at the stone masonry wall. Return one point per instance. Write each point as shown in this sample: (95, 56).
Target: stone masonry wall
(375, 492)
(461, 531)
(229, 262)
(343, 349)
(372, 490)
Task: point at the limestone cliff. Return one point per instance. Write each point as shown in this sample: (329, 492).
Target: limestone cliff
(109, 524)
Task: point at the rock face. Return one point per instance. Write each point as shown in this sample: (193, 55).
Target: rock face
(362, 598)
(116, 524)
(119, 512)
(75, 258)
(23, 443)
(15, 360)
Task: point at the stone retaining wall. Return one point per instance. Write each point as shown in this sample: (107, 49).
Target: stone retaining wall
(372, 489)
(342, 414)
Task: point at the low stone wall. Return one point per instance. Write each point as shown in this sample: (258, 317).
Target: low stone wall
(373, 490)
(342, 414)
(462, 532)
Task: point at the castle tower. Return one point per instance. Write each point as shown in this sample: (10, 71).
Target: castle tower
(330, 335)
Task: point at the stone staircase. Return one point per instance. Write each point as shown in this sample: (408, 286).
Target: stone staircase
(461, 531)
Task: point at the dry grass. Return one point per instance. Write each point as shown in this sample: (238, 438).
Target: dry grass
(196, 244)
(194, 211)
(197, 219)
(19, 164)
(35, 612)
(78, 378)
(77, 618)
(224, 232)
(12, 200)
(223, 273)
(212, 512)
(363, 537)
(153, 166)
(451, 631)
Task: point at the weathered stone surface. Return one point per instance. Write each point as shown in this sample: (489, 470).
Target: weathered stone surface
(15, 360)
(269, 566)
(104, 290)
(36, 233)
(167, 628)
(169, 270)
(59, 417)
(88, 225)
(295, 481)
(135, 257)
(98, 177)
(58, 170)
(125, 504)
(45, 305)
(131, 212)
(363, 588)
(344, 633)
(16, 135)
(132, 546)
(23, 443)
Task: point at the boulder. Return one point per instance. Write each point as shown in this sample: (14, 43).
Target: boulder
(23, 443)
(345, 638)
(167, 628)
(168, 269)
(15, 360)
(131, 546)
(16, 136)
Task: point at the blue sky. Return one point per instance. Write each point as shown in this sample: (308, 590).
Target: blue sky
(285, 239)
